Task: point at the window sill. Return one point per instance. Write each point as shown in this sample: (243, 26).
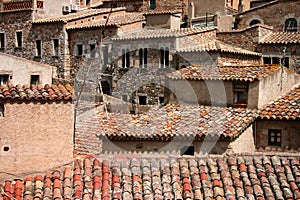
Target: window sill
(239, 105)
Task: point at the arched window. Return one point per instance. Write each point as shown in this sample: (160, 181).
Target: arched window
(255, 21)
(290, 25)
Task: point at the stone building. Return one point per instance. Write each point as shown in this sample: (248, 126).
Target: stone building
(37, 127)
(16, 70)
(277, 127)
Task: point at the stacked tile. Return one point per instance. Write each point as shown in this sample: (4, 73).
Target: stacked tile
(242, 177)
(37, 92)
(281, 38)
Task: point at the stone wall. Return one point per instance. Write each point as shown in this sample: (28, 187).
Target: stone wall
(38, 136)
(290, 132)
(244, 143)
(21, 69)
(272, 15)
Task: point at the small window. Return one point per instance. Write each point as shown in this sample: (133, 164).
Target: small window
(164, 57)
(267, 60)
(34, 79)
(79, 49)
(142, 100)
(1, 110)
(152, 4)
(38, 46)
(188, 150)
(125, 58)
(19, 39)
(105, 55)
(274, 137)
(55, 47)
(143, 53)
(2, 40)
(275, 60)
(240, 92)
(88, 2)
(92, 50)
(291, 25)
(161, 100)
(4, 79)
(254, 22)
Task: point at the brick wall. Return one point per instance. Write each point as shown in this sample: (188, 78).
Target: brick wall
(35, 136)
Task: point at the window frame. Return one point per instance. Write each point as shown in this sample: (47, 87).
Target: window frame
(19, 39)
(56, 49)
(143, 100)
(125, 58)
(38, 48)
(37, 81)
(164, 57)
(2, 110)
(2, 82)
(278, 135)
(2, 40)
(77, 52)
(238, 88)
(292, 29)
(143, 57)
(152, 4)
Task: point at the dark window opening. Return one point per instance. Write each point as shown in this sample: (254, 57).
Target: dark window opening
(19, 39)
(125, 58)
(34, 79)
(5, 149)
(4, 79)
(255, 21)
(267, 60)
(2, 40)
(105, 87)
(152, 4)
(55, 47)
(92, 50)
(290, 25)
(79, 49)
(105, 55)
(274, 137)
(161, 100)
(88, 2)
(240, 92)
(1, 110)
(285, 62)
(143, 53)
(142, 100)
(164, 57)
(38, 44)
(275, 60)
(188, 150)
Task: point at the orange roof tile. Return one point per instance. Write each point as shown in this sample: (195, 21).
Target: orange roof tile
(281, 38)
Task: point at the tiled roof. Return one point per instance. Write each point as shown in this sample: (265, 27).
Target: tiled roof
(77, 15)
(233, 73)
(281, 38)
(161, 33)
(285, 107)
(233, 177)
(173, 121)
(217, 46)
(117, 20)
(37, 93)
(157, 12)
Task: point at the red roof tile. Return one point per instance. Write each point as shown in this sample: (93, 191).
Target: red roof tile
(281, 38)
(242, 177)
(285, 107)
(243, 73)
(37, 93)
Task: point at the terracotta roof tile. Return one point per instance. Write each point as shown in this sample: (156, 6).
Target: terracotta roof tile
(243, 73)
(217, 46)
(175, 121)
(77, 15)
(117, 20)
(37, 93)
(160, 11)
(285, 107)
(161, 33)
(281, 38)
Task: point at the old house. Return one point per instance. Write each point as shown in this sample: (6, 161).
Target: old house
(36, 127)
(277, 127)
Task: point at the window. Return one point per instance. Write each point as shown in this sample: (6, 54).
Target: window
(290, 25)
(88, 2)
(34, 79)
(187, 150)
(143, 53)
(19, 39)
(38, 48)
(142, 100)
(2, 40)
(285, 61)
(1, 110)
(92, 50)
(255, 21)
(240, 92)
(125, 58)
(161, 100)
(55, 47)
(274, 137)
(79, 50)
(164, 57)
(152, 4)
(4, 79)
(267, 60)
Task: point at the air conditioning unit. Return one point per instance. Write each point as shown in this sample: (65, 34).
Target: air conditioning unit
(74, 7)
(66, 9)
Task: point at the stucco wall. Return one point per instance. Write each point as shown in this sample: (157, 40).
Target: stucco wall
(290, 132)
(21, 69)
(39, 136)
(244, 143)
